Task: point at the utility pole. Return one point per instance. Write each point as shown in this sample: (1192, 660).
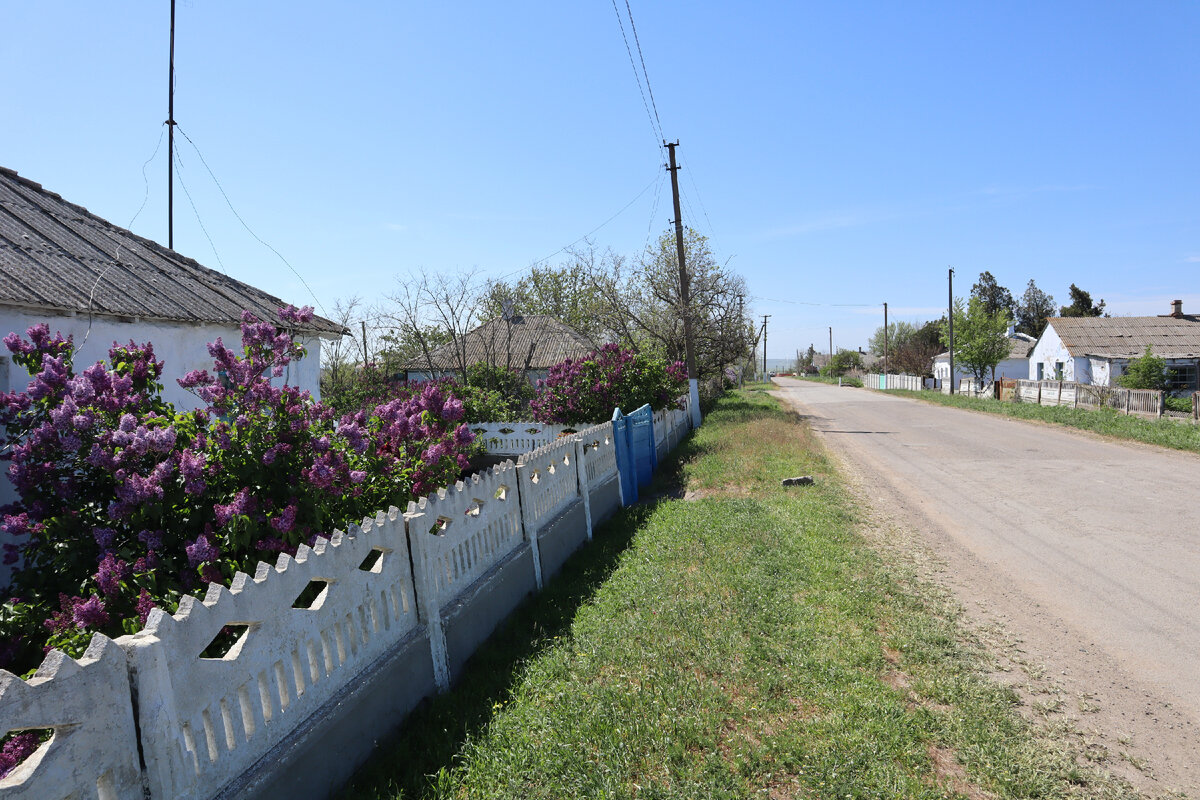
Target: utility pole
(685, 292)
(765, 318)
(950, 317)
(830, 348)
(364, 330)
(171, 138)
(885, 341)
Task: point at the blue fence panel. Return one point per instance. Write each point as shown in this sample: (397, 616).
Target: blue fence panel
(625, 468)
(637, 457)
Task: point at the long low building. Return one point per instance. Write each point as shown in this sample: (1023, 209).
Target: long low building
(1097, 350)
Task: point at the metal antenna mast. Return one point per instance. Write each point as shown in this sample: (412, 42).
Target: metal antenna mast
(171, 138)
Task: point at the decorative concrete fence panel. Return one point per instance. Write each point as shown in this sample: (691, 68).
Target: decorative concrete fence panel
(549, 482)
(462, 531)
(600, 454)
(86, 705)
(515, 438)
(305, 628)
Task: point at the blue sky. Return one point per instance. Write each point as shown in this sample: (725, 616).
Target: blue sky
(839, 155)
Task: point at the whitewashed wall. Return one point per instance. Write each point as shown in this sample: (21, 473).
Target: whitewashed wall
(1049, 351)
(182, 348)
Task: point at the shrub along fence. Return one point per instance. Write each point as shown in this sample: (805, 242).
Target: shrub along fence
(279, 685)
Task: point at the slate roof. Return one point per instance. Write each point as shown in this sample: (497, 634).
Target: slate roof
(552, 342)
(56, 256)
(1127, 337)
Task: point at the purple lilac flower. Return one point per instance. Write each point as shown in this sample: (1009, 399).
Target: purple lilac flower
(104, 538)
(240, 505)
(151, 539)
(112, 571)
(19, 747)
(89, 613)
(202, 550)
(145, 604)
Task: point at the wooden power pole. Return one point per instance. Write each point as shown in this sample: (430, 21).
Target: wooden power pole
(765, 318)
(885, 342)
(685, 291)
(171, 138)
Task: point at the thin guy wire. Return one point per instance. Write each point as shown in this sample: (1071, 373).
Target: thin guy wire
(146, 178)
(179, 175)
(699, 199)
(247, 227)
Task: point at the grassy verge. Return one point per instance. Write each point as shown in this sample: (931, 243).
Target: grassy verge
(745, 642)
(1179, 435)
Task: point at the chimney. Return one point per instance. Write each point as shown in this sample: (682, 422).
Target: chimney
(1177, 308)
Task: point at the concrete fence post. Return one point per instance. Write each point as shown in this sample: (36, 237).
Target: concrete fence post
(527, 524)
(1128, 400)
(428, 601)
(584, 489)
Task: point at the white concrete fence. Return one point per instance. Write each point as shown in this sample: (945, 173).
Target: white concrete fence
(1140, 402)
(328, 651)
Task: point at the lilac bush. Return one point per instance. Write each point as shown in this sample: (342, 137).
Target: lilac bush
(588, 389)
(125, 504)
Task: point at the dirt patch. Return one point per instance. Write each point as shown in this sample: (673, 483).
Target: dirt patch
(951, 774)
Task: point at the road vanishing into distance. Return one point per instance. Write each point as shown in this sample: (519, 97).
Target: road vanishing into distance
(1085, 549)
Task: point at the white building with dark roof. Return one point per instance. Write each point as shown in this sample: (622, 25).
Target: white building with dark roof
(87, 278)
(1097, 350)
(1014, 365)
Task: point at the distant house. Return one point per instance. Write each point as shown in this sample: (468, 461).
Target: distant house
(1015, 364)
(1097, 350)
(531, 343)
(87, 278)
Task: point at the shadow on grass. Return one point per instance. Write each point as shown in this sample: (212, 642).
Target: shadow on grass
(430, 742)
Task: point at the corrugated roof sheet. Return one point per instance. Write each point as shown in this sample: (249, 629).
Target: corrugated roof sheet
(543, 340)
(58, 256)
(1128, 337)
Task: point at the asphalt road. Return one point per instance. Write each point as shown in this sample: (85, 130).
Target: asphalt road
(1089, 549)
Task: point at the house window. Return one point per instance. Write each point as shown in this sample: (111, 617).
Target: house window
(1041, 371)
(1058, 370)
(1181, 377)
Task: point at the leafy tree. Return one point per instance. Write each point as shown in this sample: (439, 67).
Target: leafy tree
(842, 362)
(898, 333)
(1081, 305)
(994, 297)
(980, 338)
(1035, 308)
(565, 292)
(1147, 371)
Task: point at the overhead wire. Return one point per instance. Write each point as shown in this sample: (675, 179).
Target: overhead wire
(249, 230)
(655, 128)
(806, 303)
(637, 197)
(642, 58)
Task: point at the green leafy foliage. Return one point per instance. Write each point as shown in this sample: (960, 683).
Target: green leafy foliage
(1147, 371)
(980, 338)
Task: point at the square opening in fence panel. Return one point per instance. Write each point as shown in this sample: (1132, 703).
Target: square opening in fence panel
(313, 596)
(23, 748)
(534, 477)
(439, 526)
(506, 431)
(475, 509)
(501, 493)
(228, 642)
(533, 430)
(374, 560)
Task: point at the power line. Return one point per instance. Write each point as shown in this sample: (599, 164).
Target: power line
(654, 128)
(645, 189)
(229, 203)
(699, 199)
(642, 58)
(823, 305)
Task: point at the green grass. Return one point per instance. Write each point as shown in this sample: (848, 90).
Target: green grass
(744, 643)
(835, 381)
(1176, 434)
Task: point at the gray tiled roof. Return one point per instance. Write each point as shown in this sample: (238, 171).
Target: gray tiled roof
(498, 342)
(1128, 337)
(57, 256)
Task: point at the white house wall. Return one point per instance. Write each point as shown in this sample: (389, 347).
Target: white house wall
(182, 348)
(1049, 351)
